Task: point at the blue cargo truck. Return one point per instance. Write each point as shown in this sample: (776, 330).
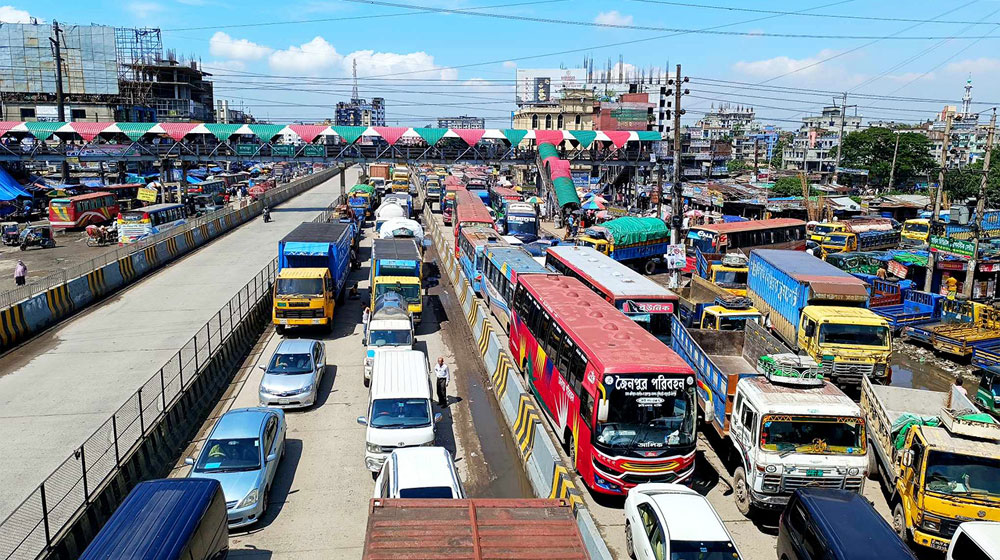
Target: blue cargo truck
(818, 309)
(314, 262)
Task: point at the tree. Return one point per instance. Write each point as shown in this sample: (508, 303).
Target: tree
(872, 149)
(963, 184)
(736, 166)
(777, 154)
(787, 186)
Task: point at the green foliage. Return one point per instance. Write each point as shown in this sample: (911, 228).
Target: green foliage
(777, 155)
(964, 184)
(787, 186)
(735, 166)
(872, 149)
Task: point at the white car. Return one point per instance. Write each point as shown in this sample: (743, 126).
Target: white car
(419, 472)
(975, 540)
(664, 521)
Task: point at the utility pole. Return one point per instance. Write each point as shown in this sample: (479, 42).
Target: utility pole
(980, 209)
(892, 170)
(676, 199)
(756, 169)
(840, 134)
(937, 202)
(60, 100)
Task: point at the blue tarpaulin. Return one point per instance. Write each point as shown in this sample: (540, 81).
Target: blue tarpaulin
(302, 249)
(9, 188)
(92, 182)
(193, 180)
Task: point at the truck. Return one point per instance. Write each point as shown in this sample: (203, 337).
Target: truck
(389, 210)
(728, 270)
(516, 529)
(789, 427)
(378, 171)
(404, 200)
(963, 327)
(638, 242)
(361, 200)
(844, 241)
(916, 308)
(400, 179)
(704, 305)
(851, 225)
(390, 327)
(938, 457)
(397, 266)
(432, 188)
(314, 261)
(817, 309)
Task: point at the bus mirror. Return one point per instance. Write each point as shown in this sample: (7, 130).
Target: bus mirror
(602, 410)
(908, 458)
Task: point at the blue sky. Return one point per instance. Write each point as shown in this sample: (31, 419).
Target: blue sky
(296, 71)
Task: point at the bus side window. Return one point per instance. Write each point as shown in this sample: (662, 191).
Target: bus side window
(577, 367)
(565, 355)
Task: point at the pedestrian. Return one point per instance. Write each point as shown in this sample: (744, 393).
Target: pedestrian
(20, 273)
(443, 375)
(366, 316)
(958, 386)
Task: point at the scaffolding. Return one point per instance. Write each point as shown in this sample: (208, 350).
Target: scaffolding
(136, 47)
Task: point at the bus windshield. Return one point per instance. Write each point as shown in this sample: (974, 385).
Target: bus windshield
(300, 286)
(910, 227)
(647, 413)
(962, 475)
(860, 335)
(824, 435)
(521, 224)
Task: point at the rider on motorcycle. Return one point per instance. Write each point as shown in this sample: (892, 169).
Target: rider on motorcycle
(266, 212)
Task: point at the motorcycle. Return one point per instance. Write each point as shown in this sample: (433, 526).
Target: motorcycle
(266, 214)
(99, 236)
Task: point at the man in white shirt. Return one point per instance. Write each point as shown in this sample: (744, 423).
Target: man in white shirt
(443, 375)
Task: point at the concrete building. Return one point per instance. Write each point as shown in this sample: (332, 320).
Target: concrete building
(179, 90)
(726, 122)
(575, 110)
(227, 115)
(461, 122)
(359, 112)
(814, 148)
(629, 111)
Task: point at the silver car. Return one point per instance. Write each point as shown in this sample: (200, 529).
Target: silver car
(292, 377)
(242, 453)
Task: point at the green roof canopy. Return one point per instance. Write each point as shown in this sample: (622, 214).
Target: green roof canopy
(585, 137)
(431, 135)
(515, 135)
(565, 191)
(222, 131)
(266, 131)
(135, 131)
(350, 134)
(649, 136)
(43, 130)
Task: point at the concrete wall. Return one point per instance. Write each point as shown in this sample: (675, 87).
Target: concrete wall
(29, 317)
(549, 477)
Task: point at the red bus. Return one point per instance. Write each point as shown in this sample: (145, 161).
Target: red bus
(634, 294)
(470, 211)
(622, 403)
(83, 210)
(448, 202)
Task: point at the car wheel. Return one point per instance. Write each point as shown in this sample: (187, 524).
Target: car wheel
(741, 492)
(263, 505)
(368, 381)
(629, 545)
(899, 523)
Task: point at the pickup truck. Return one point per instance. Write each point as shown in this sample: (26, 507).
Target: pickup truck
(703, 305)
(938, 457)
(789, 427)
(963, 326)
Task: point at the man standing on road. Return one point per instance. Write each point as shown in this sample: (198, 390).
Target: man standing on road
(366, 316)
(443, 375)
(20, 273)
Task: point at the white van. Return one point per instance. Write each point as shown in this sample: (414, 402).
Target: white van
(399, 406)
(419, 472)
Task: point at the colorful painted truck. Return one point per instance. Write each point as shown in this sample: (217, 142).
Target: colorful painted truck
(639, 242)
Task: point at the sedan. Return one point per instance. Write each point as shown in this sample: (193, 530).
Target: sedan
(292, 377)
(673, 521)
(242, 453)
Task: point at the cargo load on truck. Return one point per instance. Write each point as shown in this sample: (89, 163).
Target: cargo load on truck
(938, 456)
(963, 327)
(818, 309)
(402, 228)
(638, 241)
(851, 225)
(380, 170)
(516, 529)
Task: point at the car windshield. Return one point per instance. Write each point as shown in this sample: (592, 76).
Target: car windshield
(300, 286)
(428, 492)
(389, 338)
(824, 435)
(230, 455)
(736, 323)
(643, 415)
(855, 335)
(290, 364)
(964, 475)
(731, 277)
(410, 292)
(400, 413)
(703, 550)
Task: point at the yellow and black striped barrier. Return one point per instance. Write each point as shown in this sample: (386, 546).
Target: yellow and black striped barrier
(59, 301)
(563, 487)
(95, 281)
(12, 326)
(524, 426)
(127, 269)
(499, 377)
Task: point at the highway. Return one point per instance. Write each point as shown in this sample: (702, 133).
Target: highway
(318, 503)
(60, 386)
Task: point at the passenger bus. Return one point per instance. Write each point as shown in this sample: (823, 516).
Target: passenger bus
(212, 187)
(472, 243)
(501, 269)
(520, 219)
(140, 223)
(470, 212)
(83, 210)
(478, 186)
(500, 196)
(448, 202)
(639, 298)
(622, 403)
(777, 233)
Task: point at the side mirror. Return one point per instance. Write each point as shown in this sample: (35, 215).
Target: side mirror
(810, 329)
(602, 410)
(437, 417)
(262, 368)
(362, 420)
(189, 461)
(908, 458)
(271, 458)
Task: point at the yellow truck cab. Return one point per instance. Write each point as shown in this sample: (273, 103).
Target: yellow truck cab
(409, 287)
(848, 342)
(822, 229)
(722, 318)
(915, 231)
(732, 278)
(303, 296)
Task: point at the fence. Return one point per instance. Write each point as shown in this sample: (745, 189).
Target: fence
(43, 284)
(32, 528)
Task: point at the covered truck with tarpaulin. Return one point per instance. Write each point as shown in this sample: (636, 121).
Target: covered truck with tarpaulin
(639, 242)
(361, 200)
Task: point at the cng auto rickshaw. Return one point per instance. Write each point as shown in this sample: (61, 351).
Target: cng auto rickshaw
(11, 233)
(36, 236)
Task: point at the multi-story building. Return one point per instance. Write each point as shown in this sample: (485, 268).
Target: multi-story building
(574, 110)
(359, 112)
(227, 115)
(814, 148)
(726, 122)
(179, 91)
(461, 122)
(626, 111)
(759, 143)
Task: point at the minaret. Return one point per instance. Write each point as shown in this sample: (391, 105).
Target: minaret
(967, 98)
(354, 93)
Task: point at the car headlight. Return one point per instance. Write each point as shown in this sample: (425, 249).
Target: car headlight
(250, 499)
(369, 361)
(853, 471)
(307, 388)
(266, 389)
(373, 448)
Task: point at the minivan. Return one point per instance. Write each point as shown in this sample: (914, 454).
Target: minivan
(168, 519)
(829, 524)
(399, 406)
(419, 472)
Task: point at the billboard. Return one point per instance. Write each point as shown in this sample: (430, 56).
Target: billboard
(547, 84)
(89, 59)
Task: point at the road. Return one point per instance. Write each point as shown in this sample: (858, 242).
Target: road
(57, 388)
(320, 497)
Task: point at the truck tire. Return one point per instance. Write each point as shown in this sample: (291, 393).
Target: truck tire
(741, 492)
(899, 522)
(873, 473)
(280, 329)
(649, 267)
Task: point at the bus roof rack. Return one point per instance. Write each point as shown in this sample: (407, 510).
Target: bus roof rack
(734, 302)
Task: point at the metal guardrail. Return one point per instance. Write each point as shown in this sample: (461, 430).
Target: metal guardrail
(31, 529)
(40, 285)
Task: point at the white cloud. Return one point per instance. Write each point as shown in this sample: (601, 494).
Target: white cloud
(313, 58)
(781, 64)
(10, 14)
(222, 45)
(974, 66)
(416, 64)
(510, 64)
(144, 10)
(614, 17)
(814, 70)
(216, 65)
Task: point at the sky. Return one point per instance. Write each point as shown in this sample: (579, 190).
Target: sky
(292, 61)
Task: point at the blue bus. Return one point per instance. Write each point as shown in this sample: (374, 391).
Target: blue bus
(472, 243)
(501, 269)
(520, 219)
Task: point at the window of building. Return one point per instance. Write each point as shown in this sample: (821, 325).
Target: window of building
(559, 122)
(78, 114)
(534, 121)
(548, 122)
(27, 114)
(579, 120)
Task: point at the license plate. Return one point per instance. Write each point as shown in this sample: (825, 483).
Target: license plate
(283, 401)
(814, 472)
(282, 321)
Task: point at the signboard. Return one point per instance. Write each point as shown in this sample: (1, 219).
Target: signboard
(544, 85)
(147, 195)
(246, 149)
(676, 257)
(647, 307)
(897, 269)
(952, 246)
(581, 178)
(283, 150)
(314, 151)
(989, 267)
(852, 171)
(104, 150)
